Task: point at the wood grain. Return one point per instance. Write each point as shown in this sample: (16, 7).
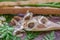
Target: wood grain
(35, 10)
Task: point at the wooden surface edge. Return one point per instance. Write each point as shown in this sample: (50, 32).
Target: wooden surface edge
(35, 10)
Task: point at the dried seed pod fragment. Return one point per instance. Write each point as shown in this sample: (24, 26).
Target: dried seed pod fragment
(18, 32)
(15, 20)
(28, 16)
(31, 25)
(43, 24)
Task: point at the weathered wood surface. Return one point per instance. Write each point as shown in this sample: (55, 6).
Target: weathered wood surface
(35, 10)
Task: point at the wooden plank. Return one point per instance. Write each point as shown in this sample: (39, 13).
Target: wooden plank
(35, 10)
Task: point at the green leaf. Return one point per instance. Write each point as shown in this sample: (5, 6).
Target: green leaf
(4, 30)
(31, 35)
(3, 35)
(7, 37)
(46, 38)
(11, 29)
(6, 33)
(49, 36)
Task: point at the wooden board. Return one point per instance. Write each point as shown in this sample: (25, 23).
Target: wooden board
(35, 10)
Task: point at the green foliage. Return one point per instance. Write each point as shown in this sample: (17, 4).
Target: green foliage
(6, 33)
(8, 17)
(49, 36)
(50, 4)
(31, 35)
